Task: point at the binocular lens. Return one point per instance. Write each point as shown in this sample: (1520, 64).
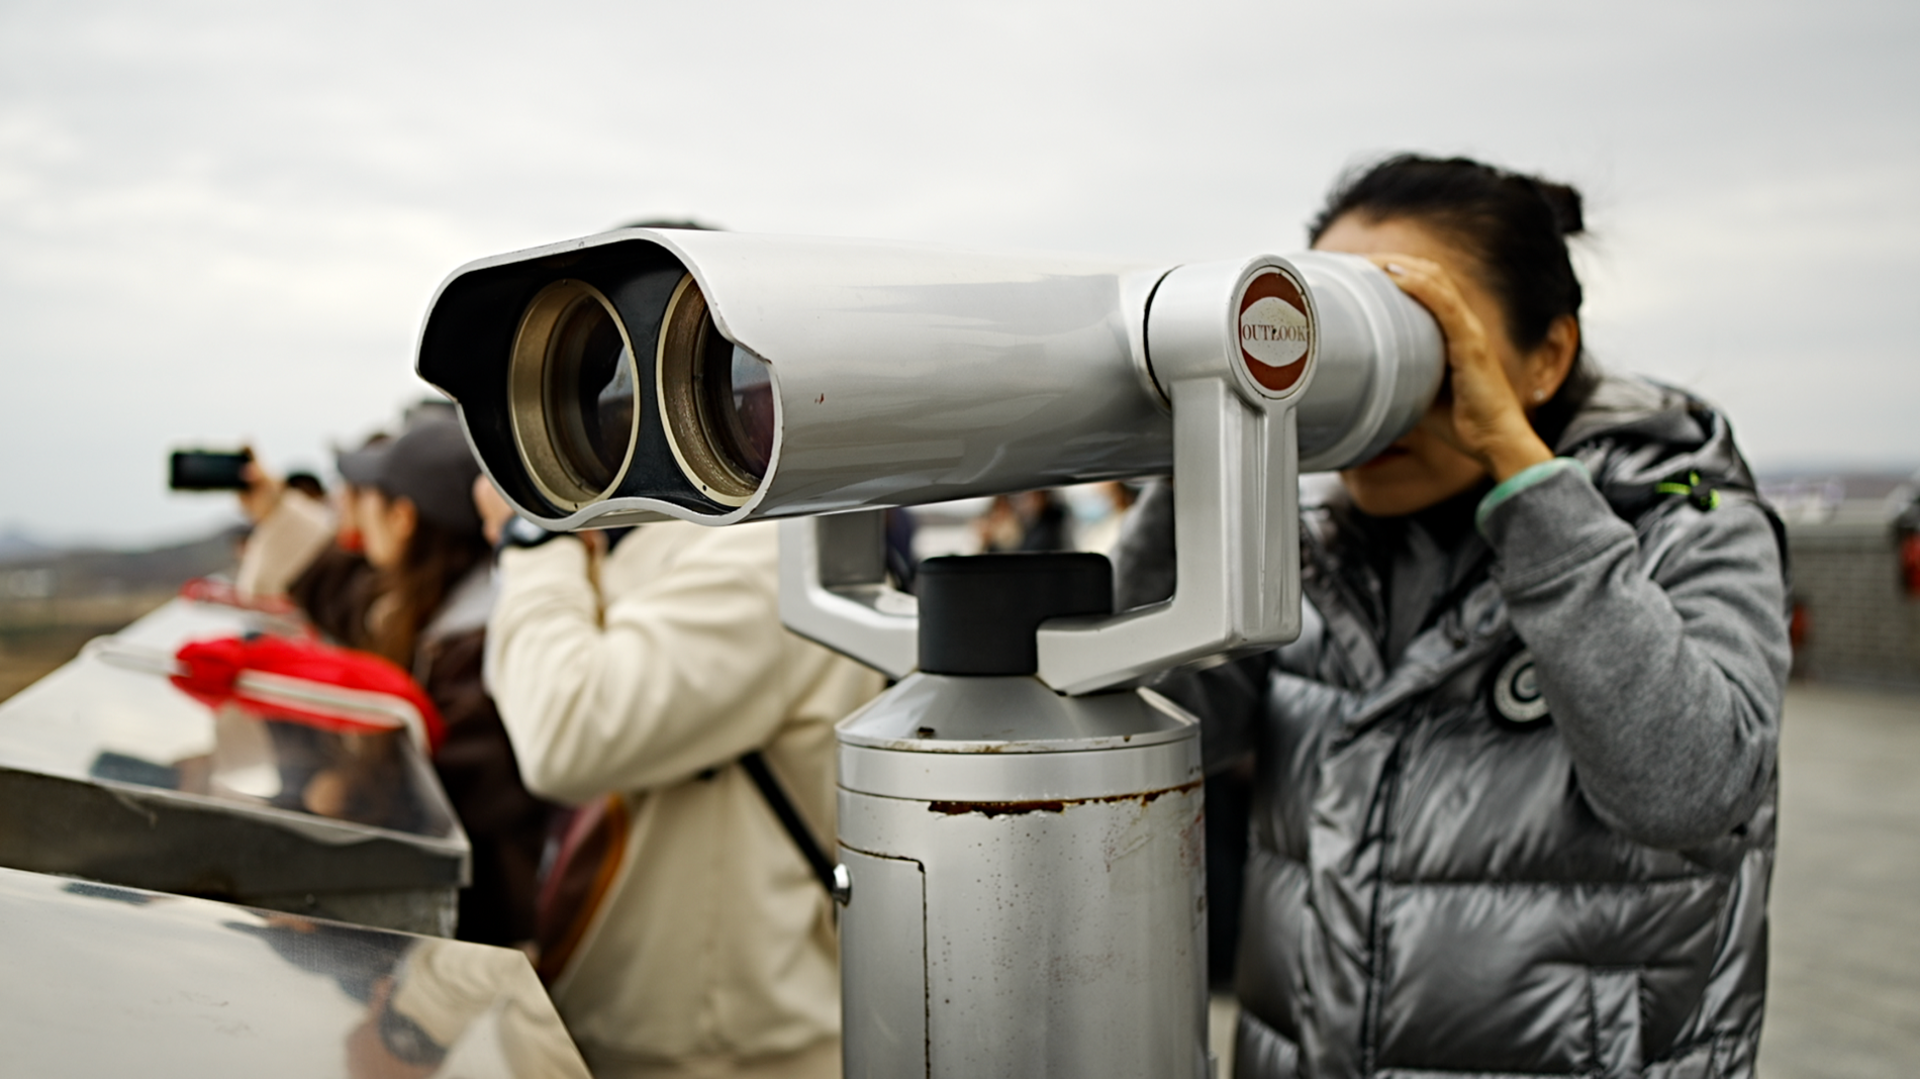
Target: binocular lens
(575, 393)
(591, 395)
(736, 406)
(717, 399)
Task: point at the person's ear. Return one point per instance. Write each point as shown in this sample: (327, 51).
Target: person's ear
(1551, 360)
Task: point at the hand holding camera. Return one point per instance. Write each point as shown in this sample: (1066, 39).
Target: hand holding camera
(261, 492)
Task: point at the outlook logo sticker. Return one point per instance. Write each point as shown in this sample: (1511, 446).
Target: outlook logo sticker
(1276, 335)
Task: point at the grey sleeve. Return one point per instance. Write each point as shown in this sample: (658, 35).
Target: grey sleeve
(1663, 667)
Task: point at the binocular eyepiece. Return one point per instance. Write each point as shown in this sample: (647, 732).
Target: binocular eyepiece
(575, 397)
(650, 373)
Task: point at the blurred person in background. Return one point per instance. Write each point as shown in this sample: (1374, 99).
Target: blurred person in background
(290, 528)
(1514, 786)
(338, 587)
(419, 593)
(903, 565)
(1098, 510)
(1026, 521)
(307, 484)
(1906, 529)
(636, 671)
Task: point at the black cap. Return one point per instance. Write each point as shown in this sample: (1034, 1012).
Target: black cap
(429, 465)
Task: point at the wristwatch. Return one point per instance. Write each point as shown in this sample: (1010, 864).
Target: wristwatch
(520, 532)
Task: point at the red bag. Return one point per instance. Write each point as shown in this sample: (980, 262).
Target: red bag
(331, 688)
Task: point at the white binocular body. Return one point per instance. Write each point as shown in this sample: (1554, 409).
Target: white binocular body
(645, 374)
(719, 376)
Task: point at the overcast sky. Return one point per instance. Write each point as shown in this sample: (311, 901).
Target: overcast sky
(223, 221)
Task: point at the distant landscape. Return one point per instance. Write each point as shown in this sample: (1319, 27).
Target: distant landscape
(53, 600)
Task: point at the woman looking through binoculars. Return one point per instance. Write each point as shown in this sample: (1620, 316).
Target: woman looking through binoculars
(1515, 781)
(420, 596)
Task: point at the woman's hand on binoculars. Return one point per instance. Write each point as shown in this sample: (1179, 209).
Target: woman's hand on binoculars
(1483, 415)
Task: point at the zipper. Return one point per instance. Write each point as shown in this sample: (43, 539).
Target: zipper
(1376, 944)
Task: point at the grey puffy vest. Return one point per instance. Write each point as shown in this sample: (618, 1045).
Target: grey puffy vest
(1428, 893)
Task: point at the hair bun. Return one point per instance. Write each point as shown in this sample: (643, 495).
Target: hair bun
(1564, 201)
(1510, 225)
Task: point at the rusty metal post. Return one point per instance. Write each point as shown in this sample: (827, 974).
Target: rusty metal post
(1028, 870)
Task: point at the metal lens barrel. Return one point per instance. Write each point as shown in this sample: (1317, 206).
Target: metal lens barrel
(574, 389)
(717, 399)
(1381, 362)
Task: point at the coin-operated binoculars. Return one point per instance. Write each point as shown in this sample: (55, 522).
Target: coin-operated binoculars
(1020, 828)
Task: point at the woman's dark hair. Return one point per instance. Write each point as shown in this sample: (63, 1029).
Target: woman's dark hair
(435, 561)
(1514, 226)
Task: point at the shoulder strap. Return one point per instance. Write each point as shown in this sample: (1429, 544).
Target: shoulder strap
(782, 806)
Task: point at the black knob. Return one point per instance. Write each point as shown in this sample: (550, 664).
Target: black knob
(978, 613)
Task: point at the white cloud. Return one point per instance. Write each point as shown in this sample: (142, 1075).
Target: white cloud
(220, 219)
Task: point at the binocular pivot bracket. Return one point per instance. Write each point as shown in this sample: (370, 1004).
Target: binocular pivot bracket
(1214, 332)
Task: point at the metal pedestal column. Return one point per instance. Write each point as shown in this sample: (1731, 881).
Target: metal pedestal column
(1028, 881)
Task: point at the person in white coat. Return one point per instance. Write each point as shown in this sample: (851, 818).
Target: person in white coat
(698, 941)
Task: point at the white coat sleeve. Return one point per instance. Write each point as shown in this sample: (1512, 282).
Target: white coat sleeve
(687, 671)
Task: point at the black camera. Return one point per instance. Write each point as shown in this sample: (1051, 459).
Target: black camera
(208, 470)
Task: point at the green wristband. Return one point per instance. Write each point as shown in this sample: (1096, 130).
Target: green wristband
(1520, 481)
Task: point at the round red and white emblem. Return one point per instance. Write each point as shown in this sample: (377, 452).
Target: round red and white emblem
(1276, 334)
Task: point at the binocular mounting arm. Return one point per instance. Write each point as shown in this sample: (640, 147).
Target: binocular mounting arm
(834, 590)
(1236, 556)
(1236, 537)
(1236, 552)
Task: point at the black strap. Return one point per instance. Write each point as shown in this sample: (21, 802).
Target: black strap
(770, 789)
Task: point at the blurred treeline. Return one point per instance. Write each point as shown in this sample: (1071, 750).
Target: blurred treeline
(53, 600)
